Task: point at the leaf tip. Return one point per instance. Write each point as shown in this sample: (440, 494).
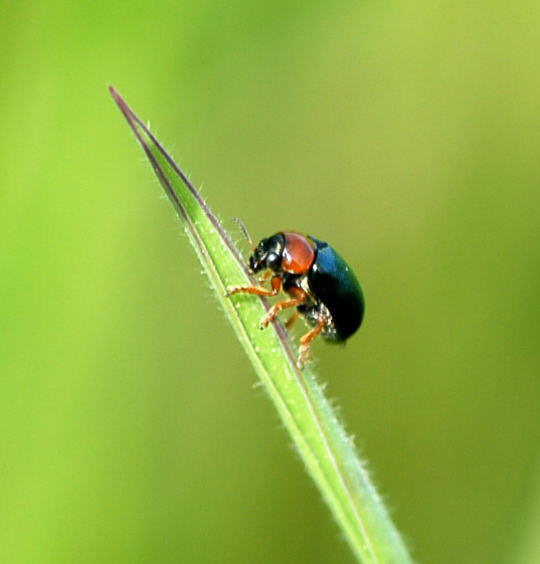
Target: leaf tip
(122, 104)
(114, 92)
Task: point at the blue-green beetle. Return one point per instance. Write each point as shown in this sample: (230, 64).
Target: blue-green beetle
(319, 282)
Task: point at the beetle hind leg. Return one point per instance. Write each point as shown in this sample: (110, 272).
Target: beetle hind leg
(305, 341)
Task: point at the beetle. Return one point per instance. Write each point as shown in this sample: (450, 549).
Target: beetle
(319, 283)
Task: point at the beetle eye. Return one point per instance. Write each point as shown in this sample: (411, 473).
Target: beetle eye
(272, 260)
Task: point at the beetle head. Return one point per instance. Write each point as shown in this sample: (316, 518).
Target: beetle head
(267, 254)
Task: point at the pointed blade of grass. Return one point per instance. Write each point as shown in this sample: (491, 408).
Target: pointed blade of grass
(319, 437)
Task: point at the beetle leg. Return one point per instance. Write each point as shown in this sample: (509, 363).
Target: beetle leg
(299, 297)
(292, 320)
(305, 341)
(258, 290)
(264, 278)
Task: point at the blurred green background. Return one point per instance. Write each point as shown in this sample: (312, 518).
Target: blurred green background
(407, 135)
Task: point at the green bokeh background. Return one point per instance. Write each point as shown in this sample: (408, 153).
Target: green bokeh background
(407, 135)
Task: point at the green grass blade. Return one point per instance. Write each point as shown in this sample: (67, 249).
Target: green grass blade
(319, 437)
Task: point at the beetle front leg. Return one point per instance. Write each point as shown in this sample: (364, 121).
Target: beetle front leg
(265, 277)
(275, 284)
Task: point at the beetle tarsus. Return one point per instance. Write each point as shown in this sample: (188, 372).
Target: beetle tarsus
(303, 356)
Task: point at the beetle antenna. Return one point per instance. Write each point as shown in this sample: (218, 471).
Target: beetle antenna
(244, 230)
